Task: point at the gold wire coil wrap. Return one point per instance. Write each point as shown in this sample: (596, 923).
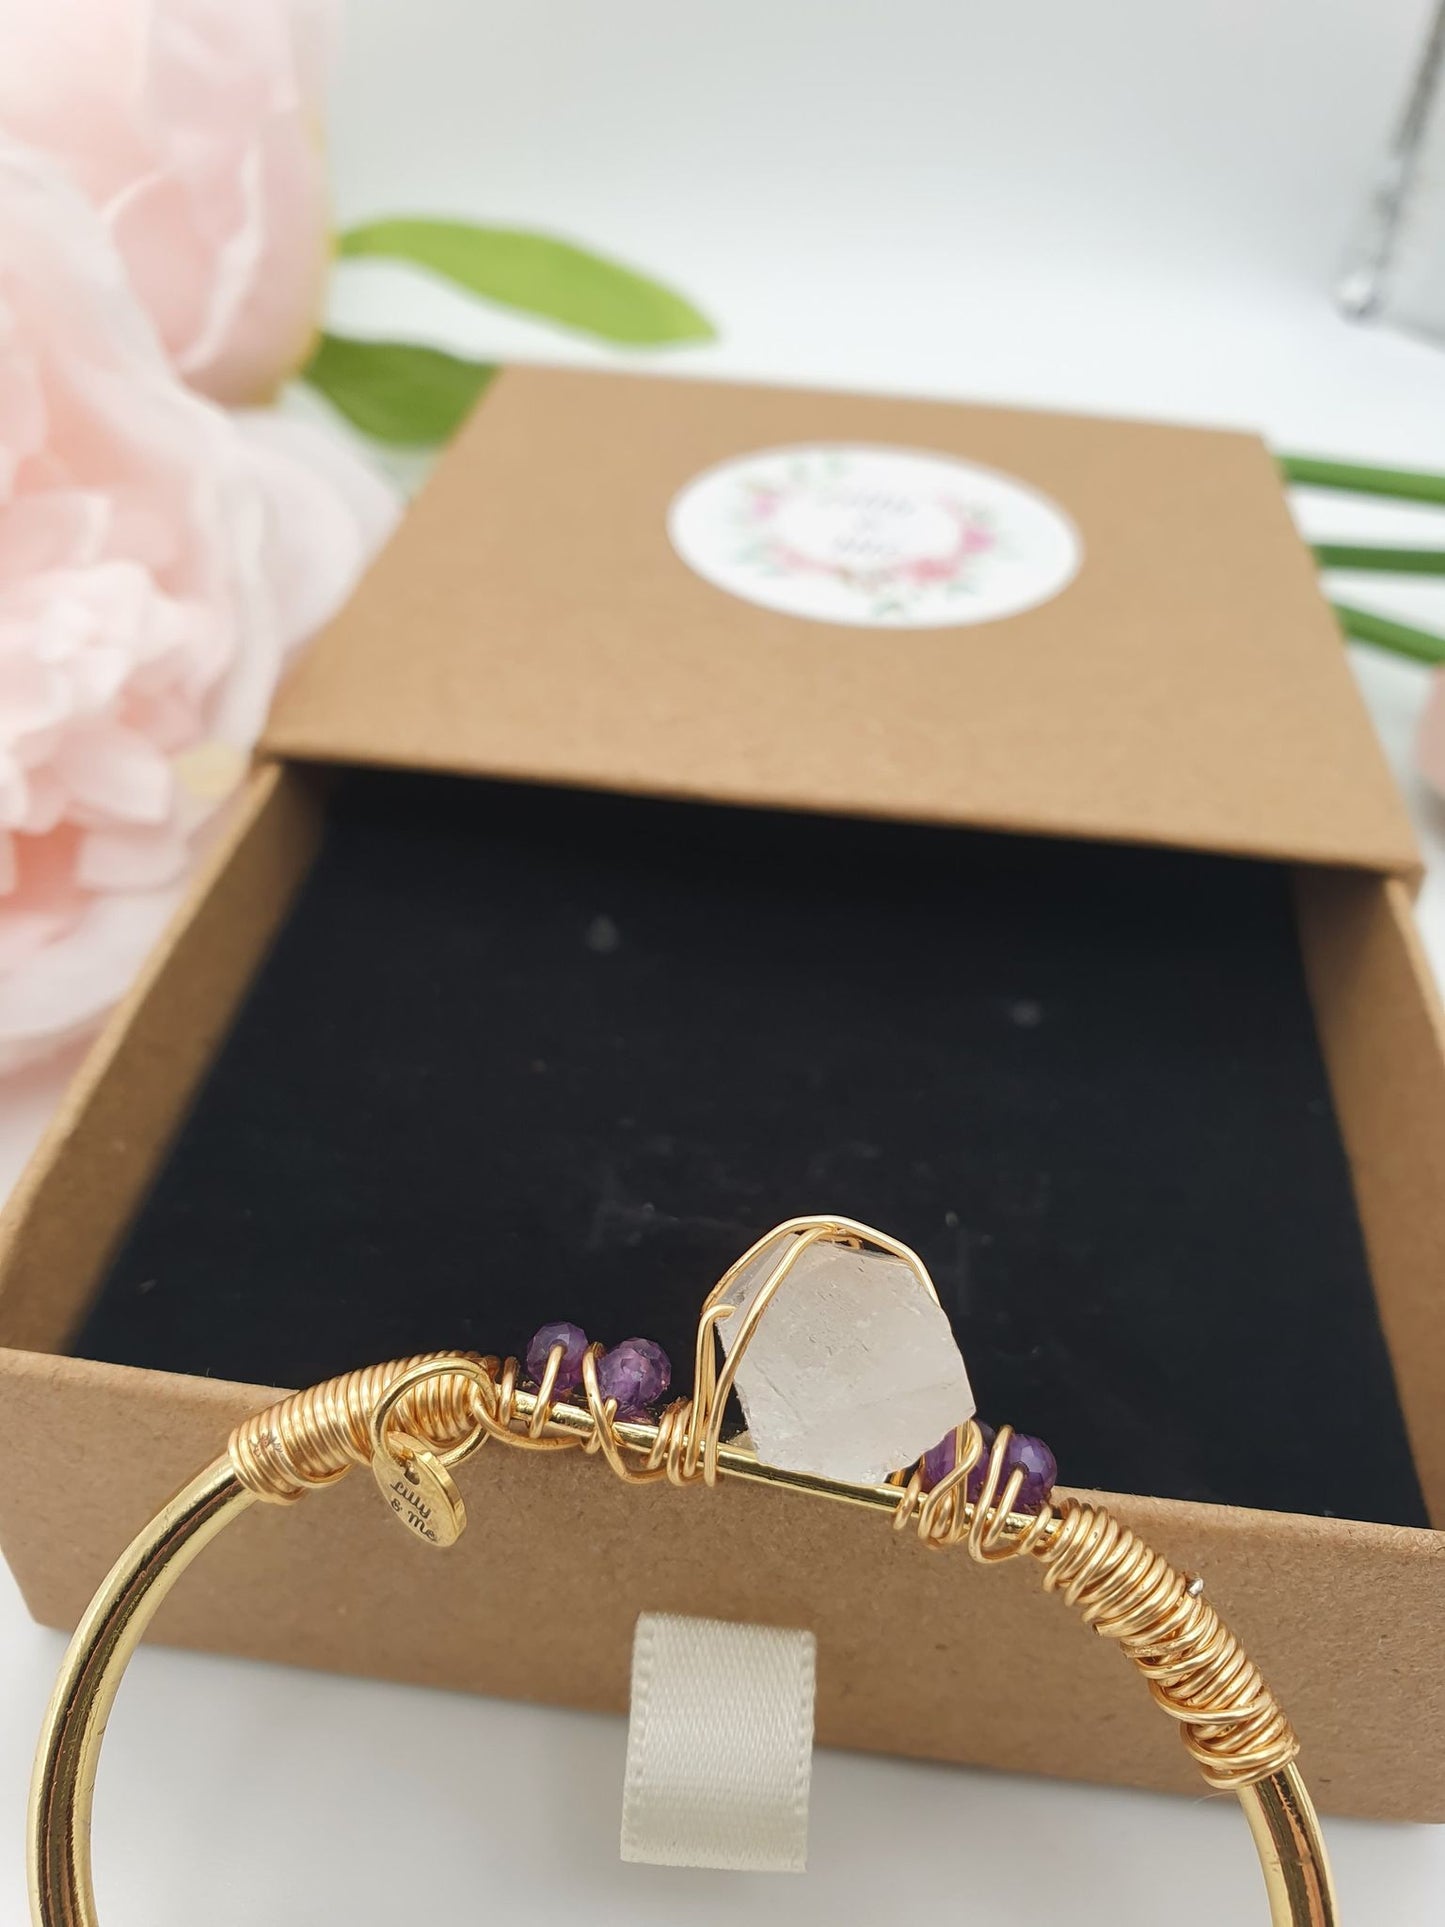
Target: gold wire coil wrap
(315, 1437)
(450, 1404)
(1197, 1671)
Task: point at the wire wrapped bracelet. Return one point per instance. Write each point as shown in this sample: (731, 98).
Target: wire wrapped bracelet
(415, 1421)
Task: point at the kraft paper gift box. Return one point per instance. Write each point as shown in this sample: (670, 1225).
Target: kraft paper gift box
(706, 813)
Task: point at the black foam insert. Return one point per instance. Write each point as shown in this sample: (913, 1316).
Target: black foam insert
(520, 1054)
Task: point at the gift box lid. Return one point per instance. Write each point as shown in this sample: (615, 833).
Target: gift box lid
(861, 604)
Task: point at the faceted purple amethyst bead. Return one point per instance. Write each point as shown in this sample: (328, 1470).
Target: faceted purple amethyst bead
(1029, 1455)
(1039, 1468)
(573, 1341)
(636, 1373)
(940, 1460)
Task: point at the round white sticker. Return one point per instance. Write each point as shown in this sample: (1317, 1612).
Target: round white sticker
(888, 538)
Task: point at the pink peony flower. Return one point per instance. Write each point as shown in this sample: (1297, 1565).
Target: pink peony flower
(194, 127)
(158, 558)
(1430, 735)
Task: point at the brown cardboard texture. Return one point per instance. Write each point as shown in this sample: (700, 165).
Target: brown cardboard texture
(532, 620)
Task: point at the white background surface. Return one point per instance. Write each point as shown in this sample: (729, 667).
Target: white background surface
(1124, 207)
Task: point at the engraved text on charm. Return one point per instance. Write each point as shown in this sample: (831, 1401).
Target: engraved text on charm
(419, 1490)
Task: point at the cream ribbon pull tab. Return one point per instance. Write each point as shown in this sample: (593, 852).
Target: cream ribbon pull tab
(720, 1745)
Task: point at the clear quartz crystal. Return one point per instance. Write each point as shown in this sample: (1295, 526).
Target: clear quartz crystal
(853, 1371)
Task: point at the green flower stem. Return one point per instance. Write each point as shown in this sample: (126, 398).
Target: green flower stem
(1384, 561)
(1400, 638)
(1402, 484)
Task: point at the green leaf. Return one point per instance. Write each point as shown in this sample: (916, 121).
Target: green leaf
(1402, 484)
(1400, 638)
(538, 275)
(397, 391)
(1384, 561)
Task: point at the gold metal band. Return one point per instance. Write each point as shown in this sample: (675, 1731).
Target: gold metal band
(421, 1395)
(412, 1422)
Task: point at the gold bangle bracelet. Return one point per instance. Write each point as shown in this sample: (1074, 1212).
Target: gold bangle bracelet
(415, 1420)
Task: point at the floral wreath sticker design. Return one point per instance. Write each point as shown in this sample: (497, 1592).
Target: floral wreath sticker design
(875, 537)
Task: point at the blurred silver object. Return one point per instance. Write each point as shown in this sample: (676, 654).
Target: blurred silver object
(1396, 268)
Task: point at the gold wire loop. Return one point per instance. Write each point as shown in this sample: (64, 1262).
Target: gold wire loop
(603, 1437)
(988, 1524)
(427, 1371)
(503, 1418)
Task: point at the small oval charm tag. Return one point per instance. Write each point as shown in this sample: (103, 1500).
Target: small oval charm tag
(419, 1490)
